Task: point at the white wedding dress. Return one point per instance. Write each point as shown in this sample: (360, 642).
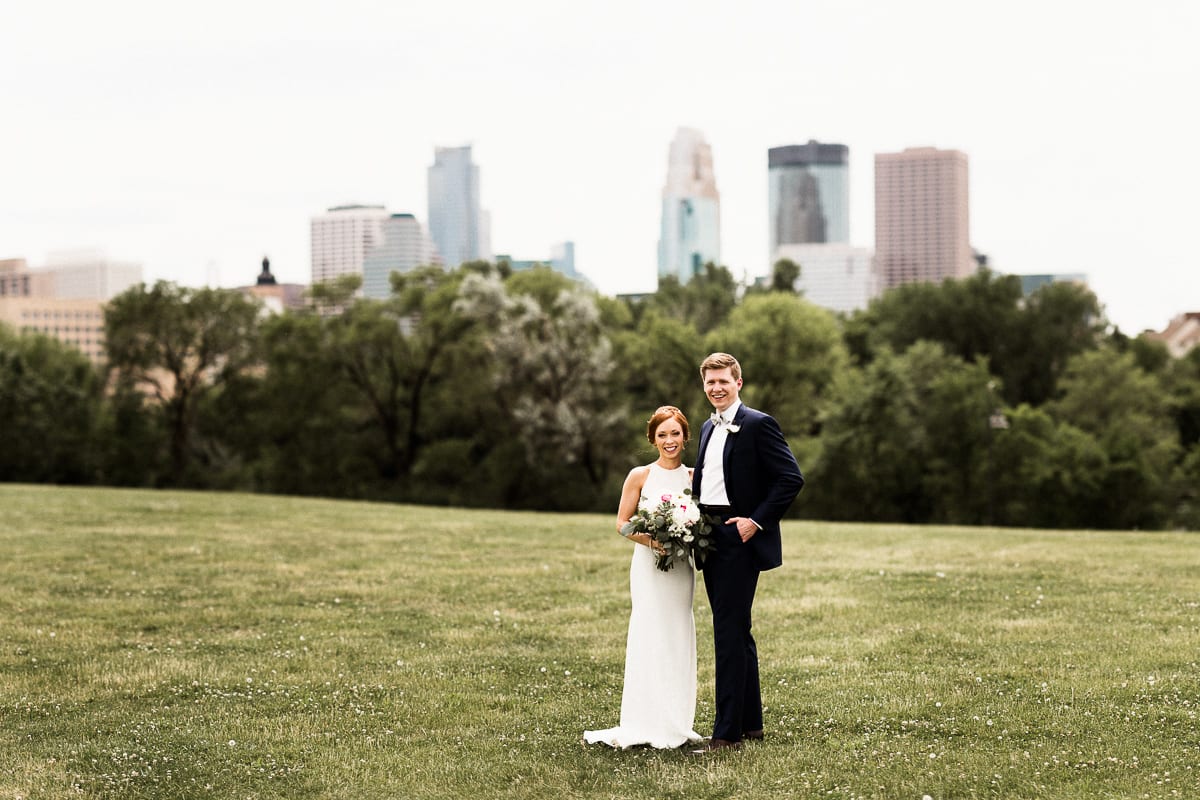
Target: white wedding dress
(658, 704)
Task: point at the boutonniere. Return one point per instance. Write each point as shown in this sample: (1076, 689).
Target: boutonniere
(733, 428)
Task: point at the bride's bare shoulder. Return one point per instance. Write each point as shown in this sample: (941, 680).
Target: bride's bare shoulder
(638, 473)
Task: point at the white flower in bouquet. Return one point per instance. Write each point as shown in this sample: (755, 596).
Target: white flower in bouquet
(676, 526)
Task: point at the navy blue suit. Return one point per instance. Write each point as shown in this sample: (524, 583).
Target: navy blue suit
(761, 479)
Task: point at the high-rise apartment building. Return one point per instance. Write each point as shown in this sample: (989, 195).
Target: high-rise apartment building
(808, 194)
(459, 226)
(691, 209)
(921, 216)
(341, 238)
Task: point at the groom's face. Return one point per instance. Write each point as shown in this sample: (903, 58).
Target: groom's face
(721, 388)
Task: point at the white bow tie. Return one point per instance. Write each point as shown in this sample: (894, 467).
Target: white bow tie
(717, 420)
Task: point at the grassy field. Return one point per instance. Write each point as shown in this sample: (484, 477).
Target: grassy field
(185, 645)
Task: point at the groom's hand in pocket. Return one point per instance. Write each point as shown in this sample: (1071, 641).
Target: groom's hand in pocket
(745, 527)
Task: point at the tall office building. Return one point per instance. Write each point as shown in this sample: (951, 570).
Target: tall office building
(460, 228)
(808, 194)
(342, 237)
(691, 209)
(404, 246)
(921, 216)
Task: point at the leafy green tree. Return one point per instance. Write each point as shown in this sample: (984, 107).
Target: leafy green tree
(1043, 473)
(871, 445)
(705, 301)
(50, 406)
(972, 317)
(784, 274)
(291, 423)
(657, 363)
(177, 344)
(1055, 323)
(551, 372)
(790, 350)
(1106, 395)
(1182, 378)
(390, 353)
(905, 438)
(449, 400)
(1186, 511)
(1027, 341)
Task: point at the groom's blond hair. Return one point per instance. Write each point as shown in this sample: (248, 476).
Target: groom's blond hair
(721, 361)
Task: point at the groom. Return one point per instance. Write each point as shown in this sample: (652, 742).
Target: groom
(745, 477)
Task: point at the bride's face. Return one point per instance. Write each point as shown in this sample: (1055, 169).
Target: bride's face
(668, 439)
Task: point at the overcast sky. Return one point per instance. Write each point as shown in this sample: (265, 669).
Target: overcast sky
(196, 138)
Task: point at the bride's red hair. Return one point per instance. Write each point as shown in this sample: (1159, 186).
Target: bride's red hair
(661, 415)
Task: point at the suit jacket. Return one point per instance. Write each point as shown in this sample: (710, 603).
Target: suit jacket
(762, 478)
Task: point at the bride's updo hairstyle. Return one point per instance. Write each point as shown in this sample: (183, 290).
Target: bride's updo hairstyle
(661, 415)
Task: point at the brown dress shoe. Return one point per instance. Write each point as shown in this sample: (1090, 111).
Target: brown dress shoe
(715, 745)
(755, 736)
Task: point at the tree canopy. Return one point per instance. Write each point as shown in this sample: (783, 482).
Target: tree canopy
(963, 402)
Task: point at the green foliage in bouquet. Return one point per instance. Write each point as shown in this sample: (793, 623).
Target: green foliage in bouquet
(677, 526)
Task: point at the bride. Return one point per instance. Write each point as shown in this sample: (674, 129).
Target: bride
(658, 705)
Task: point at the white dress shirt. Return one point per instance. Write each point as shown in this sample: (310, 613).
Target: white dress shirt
(712, 479)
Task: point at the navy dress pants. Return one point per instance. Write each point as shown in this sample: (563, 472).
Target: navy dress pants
(730, 579)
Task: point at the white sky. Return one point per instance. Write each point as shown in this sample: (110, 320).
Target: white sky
(198, 137)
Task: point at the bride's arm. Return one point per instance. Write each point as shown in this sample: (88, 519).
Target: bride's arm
(631, 493)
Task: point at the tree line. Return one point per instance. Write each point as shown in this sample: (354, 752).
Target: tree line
(963, 402)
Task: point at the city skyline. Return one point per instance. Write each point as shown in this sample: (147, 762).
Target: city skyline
(191, 142)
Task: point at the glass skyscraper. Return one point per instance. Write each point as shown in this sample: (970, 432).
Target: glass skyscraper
(808, 197)
(457, 224)
(691, 209)
(403, 246)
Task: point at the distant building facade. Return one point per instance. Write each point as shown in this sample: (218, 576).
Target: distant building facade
(1031, 283)
(690, 234)
(276, 297)
(369, 242)
(65, 299)
(922, 216)
(808, 194)
(834, 276)
(458, 225)
(341, 238)
(90, 275)
(562, 259)
(75, 322)
(404, 246)
(1181, 335)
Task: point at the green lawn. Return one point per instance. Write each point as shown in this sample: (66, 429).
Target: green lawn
(172, 644)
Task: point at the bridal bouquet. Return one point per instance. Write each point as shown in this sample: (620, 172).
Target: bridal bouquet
(676, 525)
